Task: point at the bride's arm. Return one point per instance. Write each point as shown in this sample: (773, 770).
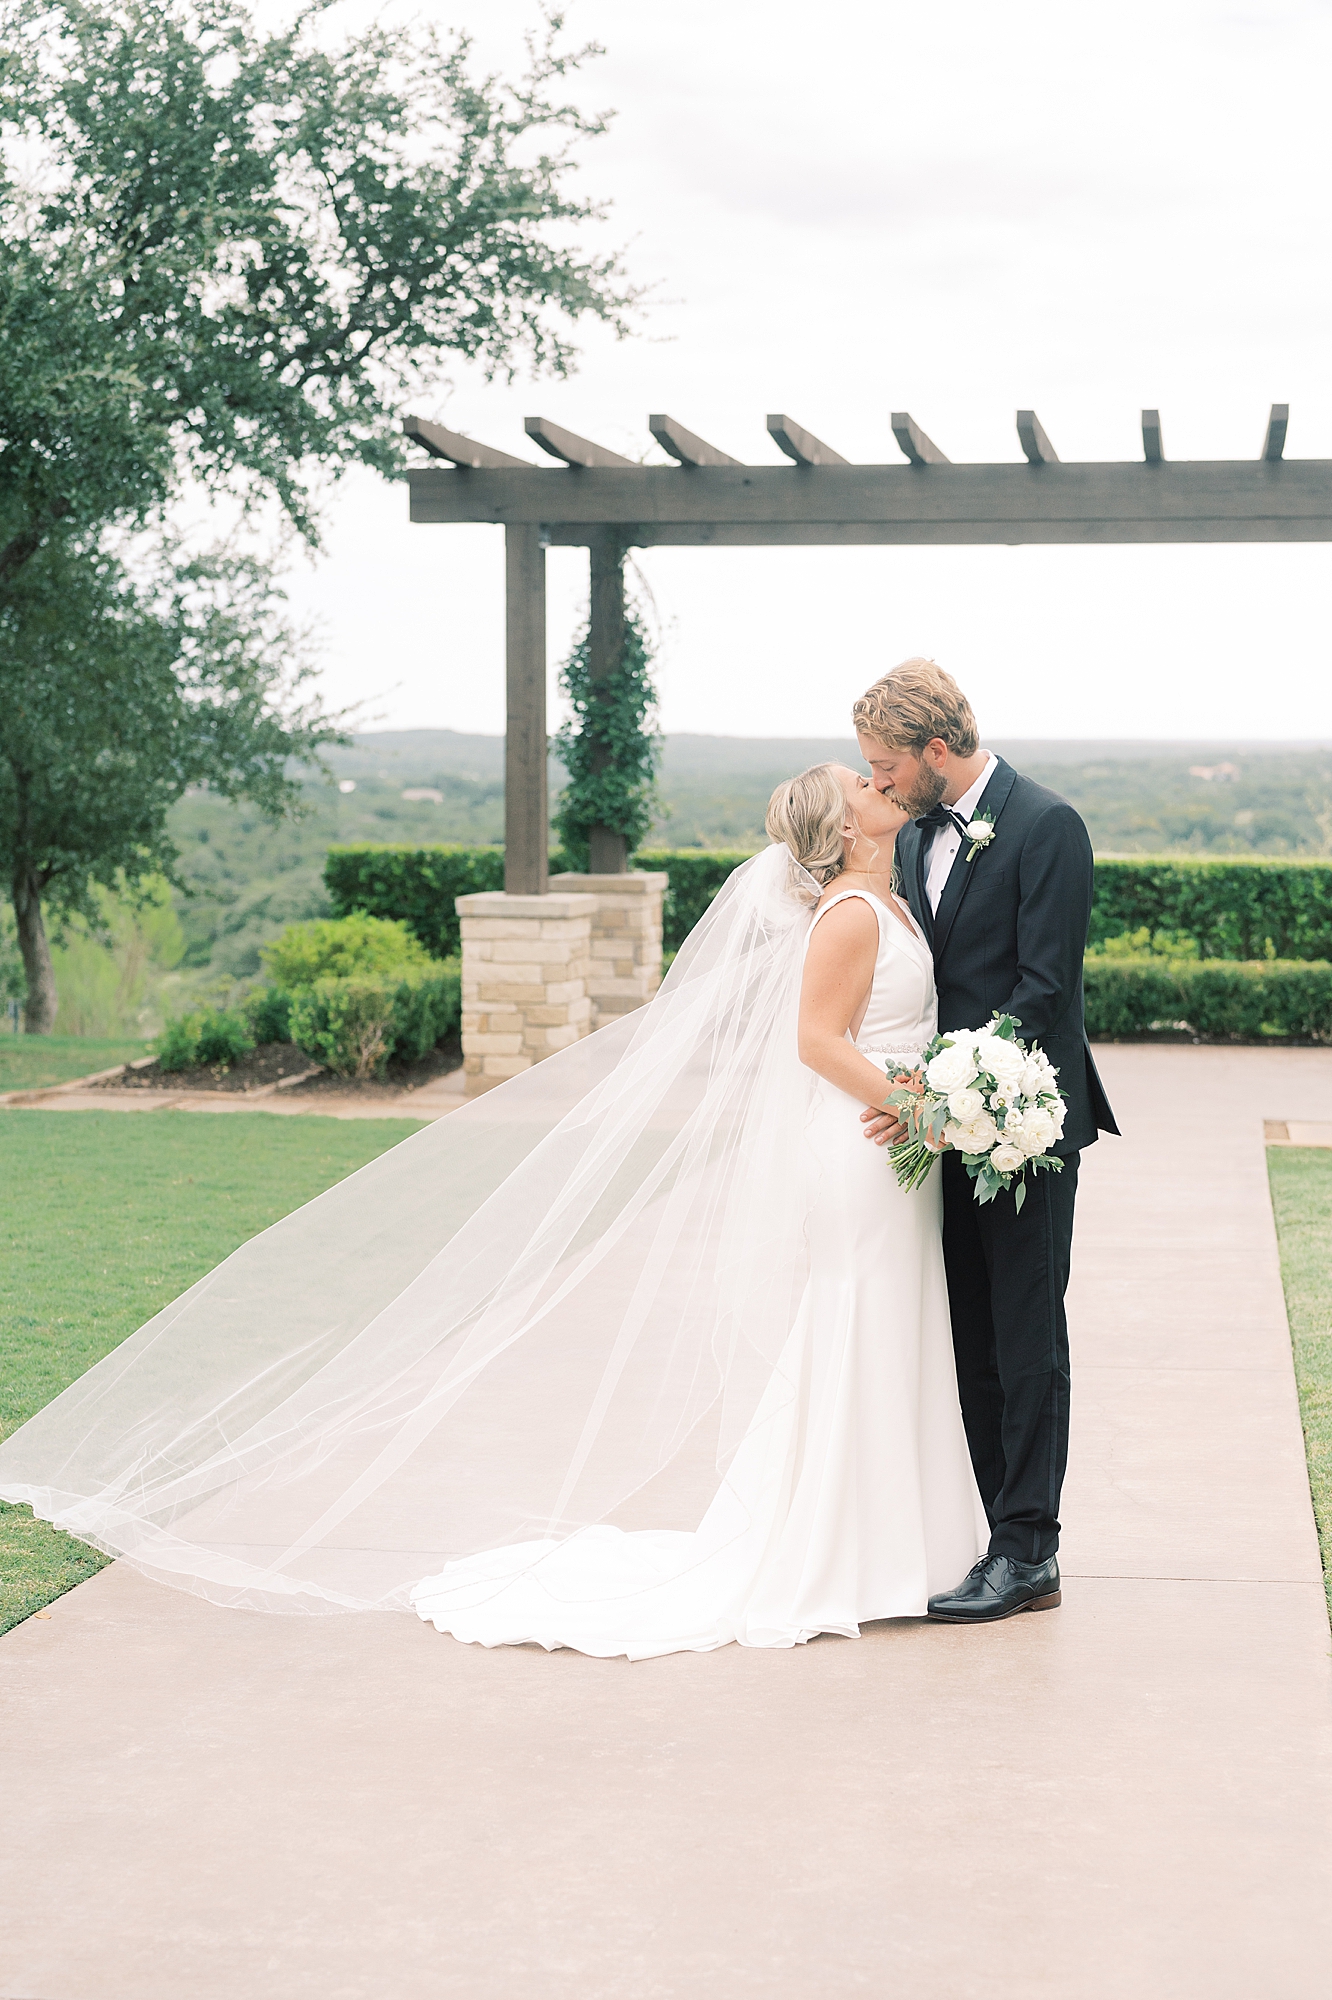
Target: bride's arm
(839, 969)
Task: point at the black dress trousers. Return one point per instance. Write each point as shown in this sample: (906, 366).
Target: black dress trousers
(1007, 1274)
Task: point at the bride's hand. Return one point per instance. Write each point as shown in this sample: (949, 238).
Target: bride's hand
(885, 1128)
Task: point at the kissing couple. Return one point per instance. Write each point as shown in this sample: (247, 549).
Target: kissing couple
(648, 1349)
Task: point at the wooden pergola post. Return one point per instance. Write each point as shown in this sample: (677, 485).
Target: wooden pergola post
(525, 802)
(607, 853)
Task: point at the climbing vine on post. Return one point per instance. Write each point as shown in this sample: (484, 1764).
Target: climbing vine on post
(609, 746)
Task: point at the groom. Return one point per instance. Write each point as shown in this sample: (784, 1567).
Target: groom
(1007, 920)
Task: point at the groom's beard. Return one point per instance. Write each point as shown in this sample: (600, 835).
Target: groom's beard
(927, 788)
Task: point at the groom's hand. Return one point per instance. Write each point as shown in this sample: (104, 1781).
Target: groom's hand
(884, 1127)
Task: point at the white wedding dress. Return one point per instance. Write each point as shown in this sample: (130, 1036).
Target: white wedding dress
(851, 1495)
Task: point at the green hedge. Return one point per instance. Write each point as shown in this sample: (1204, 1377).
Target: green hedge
(417, 885)
(1220, 999)
(1232, 909)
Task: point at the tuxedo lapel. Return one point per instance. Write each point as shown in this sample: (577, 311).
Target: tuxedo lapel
(911, 850)
(992, 801)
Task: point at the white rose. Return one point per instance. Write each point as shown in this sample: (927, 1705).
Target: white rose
(952, 1069)
(1057, 1113)
(979, 1136)
(1005, 1061)
(964, 1105)
(1007, 1159)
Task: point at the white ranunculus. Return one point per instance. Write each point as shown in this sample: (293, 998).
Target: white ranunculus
(1007, 1159)
(1037, 1133)
(964, 1105)
(952, 1069)
(1038, 1075)
(1004, 1060)
(979, 1136)
(980, 829)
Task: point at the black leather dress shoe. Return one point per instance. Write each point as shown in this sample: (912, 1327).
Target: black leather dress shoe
(997, 1587)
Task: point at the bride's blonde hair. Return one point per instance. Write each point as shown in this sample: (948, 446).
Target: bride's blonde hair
(807, 814)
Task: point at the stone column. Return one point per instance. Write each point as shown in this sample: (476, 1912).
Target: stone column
(525, 967)
(625, 941)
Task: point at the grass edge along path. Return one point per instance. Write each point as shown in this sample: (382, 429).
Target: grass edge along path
(1301, 1182)
(36, 1062)
(105, 1220)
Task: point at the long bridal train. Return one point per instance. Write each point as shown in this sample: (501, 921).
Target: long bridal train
(651, 1326)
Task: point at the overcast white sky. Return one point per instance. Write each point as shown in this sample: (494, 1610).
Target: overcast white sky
(953, 210)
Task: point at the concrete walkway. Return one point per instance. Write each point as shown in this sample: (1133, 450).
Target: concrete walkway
(1131, 1796)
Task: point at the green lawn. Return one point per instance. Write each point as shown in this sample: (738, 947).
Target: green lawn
(31, 1062)
(104, 1218)
(1302, 1198)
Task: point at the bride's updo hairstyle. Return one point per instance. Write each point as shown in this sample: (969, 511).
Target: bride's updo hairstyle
(807, 815)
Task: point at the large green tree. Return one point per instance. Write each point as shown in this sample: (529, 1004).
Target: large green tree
(118, 691)
(225, 254)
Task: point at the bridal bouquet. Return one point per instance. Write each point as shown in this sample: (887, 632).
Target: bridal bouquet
(982, 1093)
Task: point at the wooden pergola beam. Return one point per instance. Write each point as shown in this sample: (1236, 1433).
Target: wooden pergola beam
(684, 446)
(568, 446)
(1034, 442)
(1274, 442)
(460, 450)
(913, 441)
(1153, 450)
(1243, 500)
(802, 445)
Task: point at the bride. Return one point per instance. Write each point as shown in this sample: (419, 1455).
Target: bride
(643, 1351)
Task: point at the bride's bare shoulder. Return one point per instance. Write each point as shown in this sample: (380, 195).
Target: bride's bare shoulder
(854, 912)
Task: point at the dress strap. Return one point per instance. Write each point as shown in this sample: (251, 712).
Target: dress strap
(844, 895)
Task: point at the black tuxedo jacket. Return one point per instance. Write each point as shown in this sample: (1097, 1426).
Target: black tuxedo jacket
(1011, 932)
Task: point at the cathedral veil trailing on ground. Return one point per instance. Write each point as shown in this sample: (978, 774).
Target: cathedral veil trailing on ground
(559, 1307)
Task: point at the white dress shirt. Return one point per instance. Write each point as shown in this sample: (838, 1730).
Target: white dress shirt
(947, 839)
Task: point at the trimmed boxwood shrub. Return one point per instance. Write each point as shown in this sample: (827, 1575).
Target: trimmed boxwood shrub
(1232, 909)
(1221, 999)
(353, 1025)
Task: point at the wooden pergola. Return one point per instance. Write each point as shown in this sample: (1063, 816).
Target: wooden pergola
(609, 504)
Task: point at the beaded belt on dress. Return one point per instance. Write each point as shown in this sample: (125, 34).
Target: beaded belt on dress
(909, 1058)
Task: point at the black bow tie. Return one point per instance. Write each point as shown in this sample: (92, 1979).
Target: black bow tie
(939, 816)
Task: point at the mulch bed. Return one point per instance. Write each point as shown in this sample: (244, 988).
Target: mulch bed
(273, 1061)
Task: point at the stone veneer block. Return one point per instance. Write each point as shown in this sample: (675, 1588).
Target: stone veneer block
(526, 962)
(624, 947)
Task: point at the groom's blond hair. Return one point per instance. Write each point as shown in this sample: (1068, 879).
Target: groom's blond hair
(912, 705)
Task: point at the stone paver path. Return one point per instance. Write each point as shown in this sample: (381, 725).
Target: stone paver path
(1130, 1796)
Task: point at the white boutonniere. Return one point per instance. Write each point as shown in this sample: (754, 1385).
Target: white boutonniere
(980, 832)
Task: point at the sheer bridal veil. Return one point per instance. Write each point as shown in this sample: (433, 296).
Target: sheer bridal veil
(558, 1306)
